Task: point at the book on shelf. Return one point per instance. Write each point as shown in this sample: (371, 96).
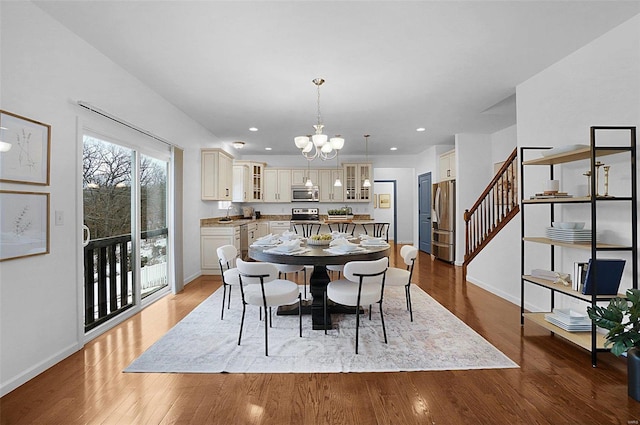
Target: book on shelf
(546, 195)
(605, 278)
(579, 275)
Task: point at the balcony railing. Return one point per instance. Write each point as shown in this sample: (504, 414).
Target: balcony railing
(108, 280)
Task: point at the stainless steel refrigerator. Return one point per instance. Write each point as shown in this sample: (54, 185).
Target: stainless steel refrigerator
(443, 236)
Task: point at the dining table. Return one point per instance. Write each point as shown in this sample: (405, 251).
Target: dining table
(318, 256)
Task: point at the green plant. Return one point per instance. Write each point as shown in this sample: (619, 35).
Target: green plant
(622, 319)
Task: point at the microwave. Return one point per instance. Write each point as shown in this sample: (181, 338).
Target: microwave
(305, 194)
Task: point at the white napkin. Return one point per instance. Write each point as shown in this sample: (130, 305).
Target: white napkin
(338, 235)
(343, 245)
(267, 237)
(288, 246)
(288, 235)
(373, 242)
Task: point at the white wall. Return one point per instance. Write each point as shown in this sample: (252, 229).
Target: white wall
(45, 69)
(489, 269)
(407, 183)
(596, 85)
(473, 173)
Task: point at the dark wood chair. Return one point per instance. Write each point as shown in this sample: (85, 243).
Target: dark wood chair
(306, 229)
(342, 227)
(378, 230)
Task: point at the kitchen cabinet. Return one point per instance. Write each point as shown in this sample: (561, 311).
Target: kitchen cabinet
(263, 229)
(241, 183)
(255, 184)
(354, 176)
(279, 227)
(277, 185)
(329, 192)
(299, 176)
(624, 204)
(252, 233)
(448, 166)
(211, 238)
(216, 174)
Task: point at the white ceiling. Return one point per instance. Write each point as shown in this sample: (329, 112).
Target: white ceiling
(390, 66)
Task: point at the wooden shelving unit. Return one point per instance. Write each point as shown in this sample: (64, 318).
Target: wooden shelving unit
(591, 341)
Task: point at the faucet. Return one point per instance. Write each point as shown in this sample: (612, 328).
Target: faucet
(228, 208)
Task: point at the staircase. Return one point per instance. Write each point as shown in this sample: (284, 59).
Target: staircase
(497, 205)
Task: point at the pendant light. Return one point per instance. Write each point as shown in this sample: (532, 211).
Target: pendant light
(308, 183)
(367, 182)
(337, 183)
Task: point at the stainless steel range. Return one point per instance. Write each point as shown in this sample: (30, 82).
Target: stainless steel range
(305, 214)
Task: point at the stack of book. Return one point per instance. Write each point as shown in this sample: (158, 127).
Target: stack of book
(551, 195)
(569, 320)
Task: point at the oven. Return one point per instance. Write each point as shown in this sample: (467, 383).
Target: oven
(305, 194)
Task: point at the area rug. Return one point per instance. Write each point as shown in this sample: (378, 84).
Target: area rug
(435, 340)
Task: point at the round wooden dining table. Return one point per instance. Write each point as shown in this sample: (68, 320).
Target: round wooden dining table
(317, 257)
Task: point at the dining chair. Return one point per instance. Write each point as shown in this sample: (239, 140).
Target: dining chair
(284, 269)
(260, 286)
(363, 284)
(227, 254)
(379, 230)
(402, 277)
(306, 229)
(342, 227)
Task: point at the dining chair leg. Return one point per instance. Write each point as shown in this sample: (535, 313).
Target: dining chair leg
(244, 308)
(300, 314)
(384, 330)
(266, 336)
(270, 318)
(357, 325)
(224, 295)
(324, 306)
(409, 301)
(229, 299)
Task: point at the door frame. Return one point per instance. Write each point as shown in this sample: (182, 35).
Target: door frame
(430, 174)
(395, 206)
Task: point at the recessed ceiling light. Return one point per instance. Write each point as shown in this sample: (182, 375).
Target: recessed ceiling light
(267, 149)
(253, 129)
(420, 129)
(393, 149)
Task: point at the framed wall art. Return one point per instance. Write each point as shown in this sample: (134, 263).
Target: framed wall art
(24, 224)
(385, 200)
(24, 150)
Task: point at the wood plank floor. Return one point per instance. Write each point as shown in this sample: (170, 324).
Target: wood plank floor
(555, 383)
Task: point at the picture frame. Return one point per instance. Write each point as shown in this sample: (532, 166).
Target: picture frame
(24, 224)
(29, 152)
(385, 200)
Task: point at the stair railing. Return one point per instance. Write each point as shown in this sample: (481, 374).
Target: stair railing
(495, 207)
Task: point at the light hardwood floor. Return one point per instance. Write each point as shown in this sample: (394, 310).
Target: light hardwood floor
(555, 383)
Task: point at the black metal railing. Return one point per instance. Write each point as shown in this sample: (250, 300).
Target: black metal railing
(108, 287)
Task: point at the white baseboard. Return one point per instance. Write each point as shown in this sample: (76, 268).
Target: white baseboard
(191, 278)
(502, 294)
(16, 381)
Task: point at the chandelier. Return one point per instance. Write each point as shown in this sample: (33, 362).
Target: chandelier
(319, 145)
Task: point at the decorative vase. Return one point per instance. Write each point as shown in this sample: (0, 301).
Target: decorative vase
(633, 373)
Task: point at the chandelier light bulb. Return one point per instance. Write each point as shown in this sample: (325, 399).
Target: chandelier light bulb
(4, 146)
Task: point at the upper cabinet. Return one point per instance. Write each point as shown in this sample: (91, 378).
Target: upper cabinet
(277, 185)
(299, 176)
(216, 175)
(448, 166)
(241, 183)
(252, 183)
(353, 185)
(326, 180)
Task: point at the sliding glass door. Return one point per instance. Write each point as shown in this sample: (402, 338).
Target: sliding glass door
(125, 217)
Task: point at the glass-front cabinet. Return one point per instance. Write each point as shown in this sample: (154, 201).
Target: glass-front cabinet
(354, 177)
(255, 187)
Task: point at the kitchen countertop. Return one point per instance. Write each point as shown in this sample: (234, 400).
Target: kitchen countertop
(239, 221)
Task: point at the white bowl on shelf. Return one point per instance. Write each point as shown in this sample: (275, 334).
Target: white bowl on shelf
(577, 225)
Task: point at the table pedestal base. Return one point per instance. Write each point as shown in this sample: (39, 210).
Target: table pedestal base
(318, 286)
